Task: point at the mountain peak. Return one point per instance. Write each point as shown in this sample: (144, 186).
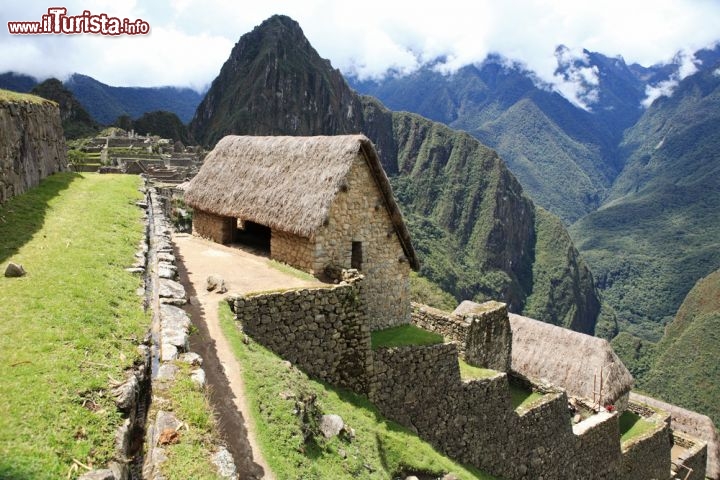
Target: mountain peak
(272, 71)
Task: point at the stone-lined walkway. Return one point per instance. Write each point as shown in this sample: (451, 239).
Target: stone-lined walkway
(243, 272)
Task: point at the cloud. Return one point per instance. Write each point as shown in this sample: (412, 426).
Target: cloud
(687, 65)
(190, 39)
(575, 78)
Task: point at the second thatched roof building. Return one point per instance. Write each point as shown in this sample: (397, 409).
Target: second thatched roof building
(316, 202)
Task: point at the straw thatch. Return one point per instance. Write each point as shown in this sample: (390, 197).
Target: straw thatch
(568, 359)
(287, 183)
(692, 423)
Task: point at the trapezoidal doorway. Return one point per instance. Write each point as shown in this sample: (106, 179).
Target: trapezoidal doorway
(254, 235)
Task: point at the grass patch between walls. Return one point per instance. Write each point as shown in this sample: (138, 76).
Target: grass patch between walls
(404, 335)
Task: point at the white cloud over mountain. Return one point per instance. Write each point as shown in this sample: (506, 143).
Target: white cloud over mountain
(190, 39)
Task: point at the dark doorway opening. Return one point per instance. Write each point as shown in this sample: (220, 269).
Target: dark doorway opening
(356, 258)
(253, 235)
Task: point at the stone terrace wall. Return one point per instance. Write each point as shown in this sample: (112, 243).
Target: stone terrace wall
(484, 339)
(213, 227)
(450, 326)
(32, 145)
(647, 456)
(694, 458)
(323, 331)
(474, 422)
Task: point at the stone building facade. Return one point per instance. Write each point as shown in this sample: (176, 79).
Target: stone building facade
(358, 234)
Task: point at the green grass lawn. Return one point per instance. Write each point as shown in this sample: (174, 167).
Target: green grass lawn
(70, 325)
(403, 336)
(380, 449)
(470, 372)
(191, 456)
(521, 397)
(633, 425)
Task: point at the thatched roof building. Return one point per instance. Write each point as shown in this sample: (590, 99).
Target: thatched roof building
(287, 183)
(322, 202)
(574, 361)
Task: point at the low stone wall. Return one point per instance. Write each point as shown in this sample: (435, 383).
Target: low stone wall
(693, 460)
(484, 338)
(323, 331)
(213, 227)
(474, 422)
(451, 327)
(647, 456)
(411, 384)
(489, 338)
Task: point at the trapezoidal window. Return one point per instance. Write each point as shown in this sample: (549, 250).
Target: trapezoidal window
(356, 258)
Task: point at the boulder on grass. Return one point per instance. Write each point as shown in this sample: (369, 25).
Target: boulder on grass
(14, 270)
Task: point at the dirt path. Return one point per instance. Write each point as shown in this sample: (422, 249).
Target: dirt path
(243, 272)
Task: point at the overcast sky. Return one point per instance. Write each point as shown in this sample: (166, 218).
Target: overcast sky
(190, 39)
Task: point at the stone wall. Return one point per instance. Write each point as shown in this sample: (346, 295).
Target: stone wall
(213, 227)
(489, 337)
(692, 461)
(32, 145)
(483, 337)
(323, 331)
(358, 214)
(647, 456)
(475, 423)
(452, 327)
(293, 249)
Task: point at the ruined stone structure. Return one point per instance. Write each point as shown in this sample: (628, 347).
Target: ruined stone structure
(473, 421)
(32, 145)
(317, 203)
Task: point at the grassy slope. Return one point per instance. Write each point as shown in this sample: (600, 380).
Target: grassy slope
(686, 369)
(8, 96)
(379, 450)
(70, 325)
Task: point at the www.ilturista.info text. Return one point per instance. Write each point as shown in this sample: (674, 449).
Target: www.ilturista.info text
(57, 21)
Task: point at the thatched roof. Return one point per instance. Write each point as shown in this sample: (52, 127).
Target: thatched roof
(287, 183)
(692, 423)
(568, 359)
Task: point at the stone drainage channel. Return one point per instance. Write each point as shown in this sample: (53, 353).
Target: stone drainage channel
(139, 449)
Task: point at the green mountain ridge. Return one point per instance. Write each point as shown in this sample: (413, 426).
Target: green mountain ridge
(658, 233)
(474, 227)
(565, 157)
(686, 368)
(76, 121)
(106, 103)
